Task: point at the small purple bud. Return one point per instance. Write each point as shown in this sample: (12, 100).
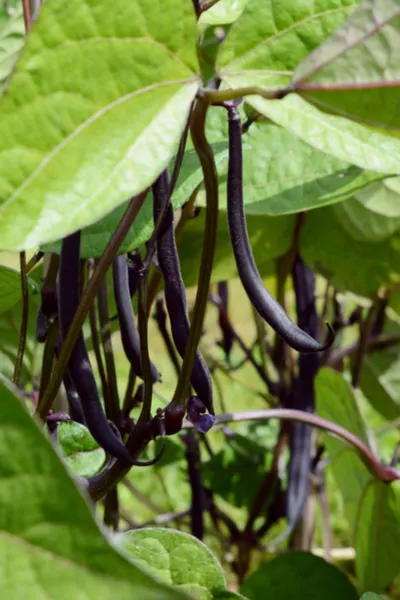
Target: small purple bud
(196, 414)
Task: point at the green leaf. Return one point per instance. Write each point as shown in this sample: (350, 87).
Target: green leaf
(298, 575)
(237, 471)
(96, 236)
(81, 452)
(176, 558)
(355, 73)
(270, 237)
(223, 12)
(283, 175)
(336, 402)
(382, 197)
(85, 131)
(47, 527)
(380, 382)
(377, 538)
(12, 35)
(276, 36)
(371, 596)
(10, 288)
(351, 265)
(371, 506)
(363, 224)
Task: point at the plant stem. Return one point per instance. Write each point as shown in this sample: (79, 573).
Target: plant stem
(24, 320)
(97, 350)
(385, 474)
(112, 399)
(218, 96)
(145, 413)
(206, 157)
(36, 258)
(91, 291)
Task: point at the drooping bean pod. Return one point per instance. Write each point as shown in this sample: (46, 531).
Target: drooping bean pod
(79, 367)
(265, 304)
(129, 332)
(174, 290)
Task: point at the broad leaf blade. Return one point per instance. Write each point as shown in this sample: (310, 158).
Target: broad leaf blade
(11, 41)
(363, 224)
(10, 287)
(85, 130)
(356, 72)
(223, 12)
(82, 453)
(284, 175)
(377, 538)
(277, 36)
(298, 575)
(48, 529)
(177, 558)
(336, 402)
(351, 265)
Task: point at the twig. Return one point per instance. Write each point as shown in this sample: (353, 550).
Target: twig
(112, 398)
(24, 320)
(36, 258)
(385, 474)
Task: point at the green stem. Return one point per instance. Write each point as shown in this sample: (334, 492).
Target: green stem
(218, 96)
(206, 157)
(145, 413)
(91, 291)
(24, 320)
(112, 400)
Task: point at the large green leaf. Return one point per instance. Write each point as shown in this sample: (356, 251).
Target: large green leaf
(10, 287)
(11, 41)
(265, 46)
(336, 402)
(81, 452)
(363, 224)
(354, 266)
(382, 197)
(48, 531)
(96, 236)
(179, 559)
(380, 382)
(270, 237)
(283, 175)
(272, 37)
(377, 538)
(356, 72)
(371, 506)
(298, 575)
(223, 12)
(371, 596)
(93, 112)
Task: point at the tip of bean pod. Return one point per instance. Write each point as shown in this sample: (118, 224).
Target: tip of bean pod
(331, 336)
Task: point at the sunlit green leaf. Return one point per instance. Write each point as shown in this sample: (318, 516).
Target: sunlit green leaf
(177, 558)
(48, 531)
(81, 451)
(298, 575)
(356, 72)
(93, 112)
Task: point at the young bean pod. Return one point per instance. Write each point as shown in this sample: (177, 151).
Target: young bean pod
(174, 290)
(129, 332)
(265, 304)
(80, 369)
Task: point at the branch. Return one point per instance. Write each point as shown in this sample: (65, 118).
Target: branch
(385, 474)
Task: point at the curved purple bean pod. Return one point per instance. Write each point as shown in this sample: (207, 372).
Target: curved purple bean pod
(265, 304)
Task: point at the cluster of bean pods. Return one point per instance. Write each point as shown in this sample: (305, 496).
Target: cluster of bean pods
(61, 299)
